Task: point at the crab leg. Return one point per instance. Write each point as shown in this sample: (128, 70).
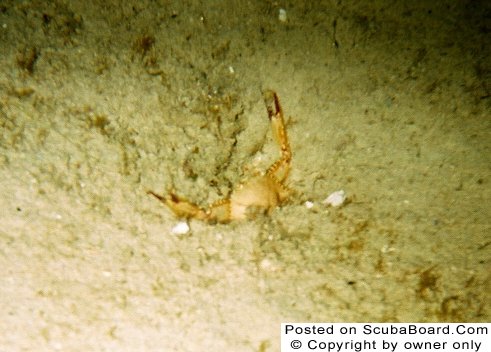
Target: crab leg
(180, 207)
(281, 168)
(217, 212)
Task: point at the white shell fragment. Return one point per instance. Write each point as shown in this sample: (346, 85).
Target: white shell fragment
(181, 228)
(335, 199)
(282, 15)
(309, 204)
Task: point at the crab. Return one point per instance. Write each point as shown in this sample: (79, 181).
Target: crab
(260, 194)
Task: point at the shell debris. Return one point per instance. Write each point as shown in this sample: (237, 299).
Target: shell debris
(335, 199)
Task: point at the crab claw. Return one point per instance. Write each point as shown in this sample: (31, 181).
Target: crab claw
(181, 207)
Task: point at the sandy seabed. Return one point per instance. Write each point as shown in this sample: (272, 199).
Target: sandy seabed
(101, 101)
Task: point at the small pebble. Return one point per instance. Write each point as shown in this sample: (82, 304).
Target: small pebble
(309, 204)
(181, 228)
(282, 15)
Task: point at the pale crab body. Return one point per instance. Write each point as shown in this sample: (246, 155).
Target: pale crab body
(261, 194)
